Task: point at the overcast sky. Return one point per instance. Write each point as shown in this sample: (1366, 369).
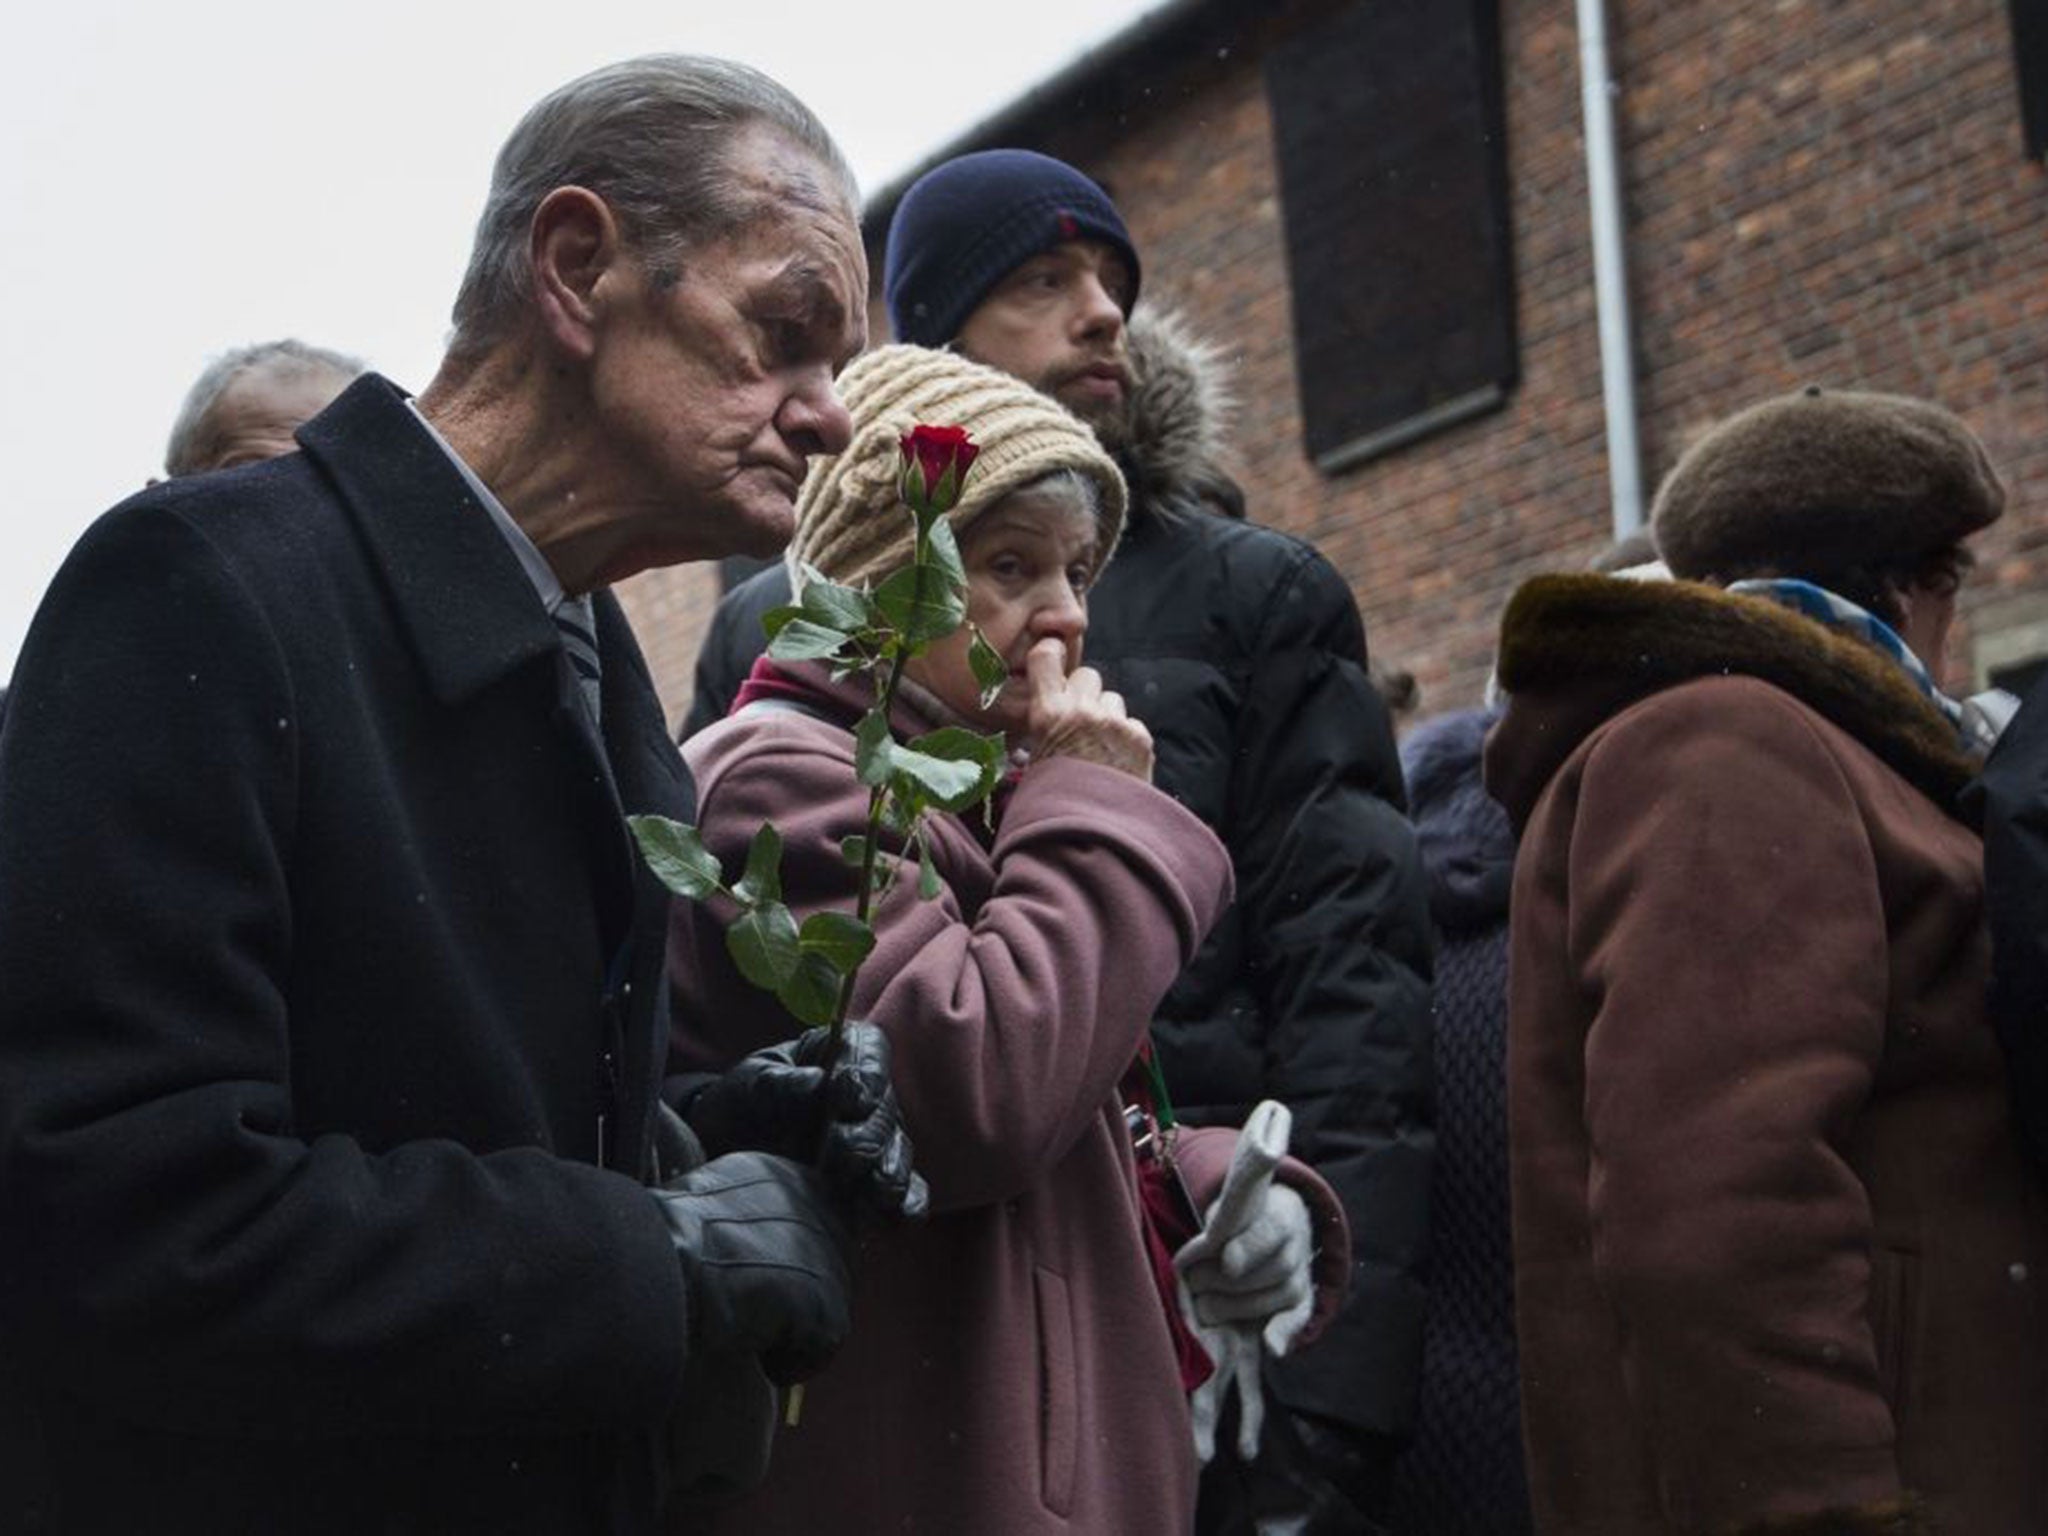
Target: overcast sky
(178, 179)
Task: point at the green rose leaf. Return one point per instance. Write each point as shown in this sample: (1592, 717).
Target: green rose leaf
(854, 849)
(950, 783)
(874, 752)
(922, 603)
(812, 990)
(763, 944)
(976, 759)
(989, 668)
(763, 879)
(776, 619)
(840, 937)
(928, 886)
(834, 606)
(677, 856)
(802, 640)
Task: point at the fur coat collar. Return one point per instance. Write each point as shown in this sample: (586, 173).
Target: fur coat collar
(1577, 650)
(1181, 409)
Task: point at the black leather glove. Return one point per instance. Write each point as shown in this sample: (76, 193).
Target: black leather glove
(764, 1261)
(1357, 1464)
(845, 1120)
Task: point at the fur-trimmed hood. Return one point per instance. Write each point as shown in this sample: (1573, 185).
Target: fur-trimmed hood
(1577, 650)
(1181, 409)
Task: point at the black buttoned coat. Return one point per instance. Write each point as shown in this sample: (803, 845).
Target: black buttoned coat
(329, 1010)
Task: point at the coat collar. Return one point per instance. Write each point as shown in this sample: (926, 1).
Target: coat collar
(1181, 407)
(470, 616)
(1576, 650)
(455, 585)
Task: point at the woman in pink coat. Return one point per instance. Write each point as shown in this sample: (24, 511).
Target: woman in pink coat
(1017, 1364)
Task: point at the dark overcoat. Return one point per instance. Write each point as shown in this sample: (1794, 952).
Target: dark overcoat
(2012, 797)
(323, 957)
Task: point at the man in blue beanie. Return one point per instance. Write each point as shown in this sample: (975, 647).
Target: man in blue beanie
(1242, 651)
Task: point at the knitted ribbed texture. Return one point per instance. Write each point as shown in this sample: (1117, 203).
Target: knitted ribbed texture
(851, 524)
(1463, 1475)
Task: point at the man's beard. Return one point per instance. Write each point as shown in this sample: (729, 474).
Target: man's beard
(1110, 420)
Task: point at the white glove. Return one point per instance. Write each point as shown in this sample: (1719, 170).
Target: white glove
(1261, 1274)
(1245, 1279)
(1236, 1353)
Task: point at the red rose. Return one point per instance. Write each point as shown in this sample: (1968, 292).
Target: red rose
(935, 461)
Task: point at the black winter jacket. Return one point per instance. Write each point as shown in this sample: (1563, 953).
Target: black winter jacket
(2012, 798)
(1241, 649)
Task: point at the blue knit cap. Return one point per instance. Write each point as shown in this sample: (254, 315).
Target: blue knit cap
(966, 225)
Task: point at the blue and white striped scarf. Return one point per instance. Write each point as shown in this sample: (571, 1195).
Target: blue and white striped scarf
(1973, 728)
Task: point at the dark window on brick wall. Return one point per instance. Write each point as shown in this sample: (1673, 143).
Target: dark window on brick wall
(1388, 123)
(2030, 59)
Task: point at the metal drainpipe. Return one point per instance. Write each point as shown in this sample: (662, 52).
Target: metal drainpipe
(1610, 270)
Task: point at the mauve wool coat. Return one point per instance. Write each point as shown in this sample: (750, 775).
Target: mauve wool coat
(1010, 1369)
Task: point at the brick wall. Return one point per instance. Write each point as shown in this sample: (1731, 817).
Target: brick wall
(1814, 189)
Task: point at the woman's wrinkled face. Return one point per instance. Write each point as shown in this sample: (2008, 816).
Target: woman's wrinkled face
(1029, 561)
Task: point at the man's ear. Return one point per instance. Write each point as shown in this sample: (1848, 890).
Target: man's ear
(574, 242)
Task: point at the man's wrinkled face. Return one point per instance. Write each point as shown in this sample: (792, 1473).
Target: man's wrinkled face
(715, 389)
(1057, 323)
(258, 412)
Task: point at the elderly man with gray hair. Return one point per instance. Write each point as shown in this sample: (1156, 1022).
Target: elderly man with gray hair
(332, 1007)
(249, 401)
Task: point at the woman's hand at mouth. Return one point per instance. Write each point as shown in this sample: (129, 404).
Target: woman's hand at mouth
(1073, 715)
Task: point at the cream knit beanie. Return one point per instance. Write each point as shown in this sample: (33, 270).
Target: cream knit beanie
(849, 522)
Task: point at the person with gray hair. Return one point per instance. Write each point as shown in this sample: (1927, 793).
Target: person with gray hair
(249, 401)
(649, 149)
(343, 1183)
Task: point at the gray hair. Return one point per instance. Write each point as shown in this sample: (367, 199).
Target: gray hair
(1076, 487)
(192, 446)
(651, 136)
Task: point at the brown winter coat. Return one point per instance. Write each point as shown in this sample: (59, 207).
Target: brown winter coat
(1776, 1254)
(1010, 1369)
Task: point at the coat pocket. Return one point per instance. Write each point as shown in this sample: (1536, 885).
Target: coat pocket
(1057, 1431)
(1894, 1301)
